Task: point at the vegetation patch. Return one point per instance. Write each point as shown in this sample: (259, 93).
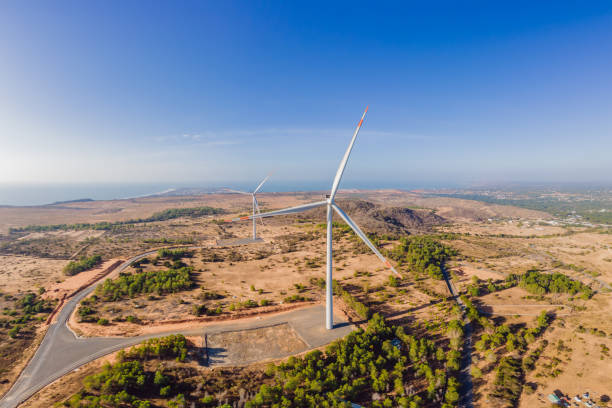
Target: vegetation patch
(422, 254)
(381, 366)
(132, 284)
(82, 264)
(158, 216)
(351, 301)
(20, 318)
(508, 382)
(540, 283)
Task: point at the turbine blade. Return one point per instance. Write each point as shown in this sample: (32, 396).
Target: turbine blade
(363, 237)
(257, 208)
(232, 219)
(290, 210)
(261, 184)
(340, 171)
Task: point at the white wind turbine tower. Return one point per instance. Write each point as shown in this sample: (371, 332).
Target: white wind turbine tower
(330, 203)
(255, 206)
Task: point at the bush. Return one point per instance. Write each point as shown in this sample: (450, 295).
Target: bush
(199, 310)
(132, 319)
(294, 298)
(103, 322)
(14, 332)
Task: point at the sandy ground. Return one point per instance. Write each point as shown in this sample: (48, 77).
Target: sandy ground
(273, 278)
(24, 358)
(584, 366)
(78, 236)
(120, 210)
(125, 329)
(484, 253)
(22, 273)
(524, 228)
(58, 290)
(585, 369)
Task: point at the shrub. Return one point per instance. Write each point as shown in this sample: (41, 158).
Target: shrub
(294, 298)
(14, 332)
(199, 310)
(132, 319)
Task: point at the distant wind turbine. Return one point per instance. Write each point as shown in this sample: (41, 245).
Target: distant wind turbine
(255, 206)
(330, 203)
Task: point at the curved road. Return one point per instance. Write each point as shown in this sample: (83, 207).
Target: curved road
(61, 351)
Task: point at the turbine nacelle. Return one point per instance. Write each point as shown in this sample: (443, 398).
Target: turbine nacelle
(255, 206)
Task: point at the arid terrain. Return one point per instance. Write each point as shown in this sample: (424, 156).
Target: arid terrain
(200, 272)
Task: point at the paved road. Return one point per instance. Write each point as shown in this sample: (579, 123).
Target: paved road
(467, 387)
(61, 351)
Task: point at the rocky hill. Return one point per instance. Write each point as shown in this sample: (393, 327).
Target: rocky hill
(381, 219)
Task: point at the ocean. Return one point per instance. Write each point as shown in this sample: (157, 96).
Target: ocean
(33, 194)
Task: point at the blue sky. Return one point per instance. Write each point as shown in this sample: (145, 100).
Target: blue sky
(152, 91)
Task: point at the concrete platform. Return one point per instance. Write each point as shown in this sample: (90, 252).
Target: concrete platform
(271, 338)
(237, 241)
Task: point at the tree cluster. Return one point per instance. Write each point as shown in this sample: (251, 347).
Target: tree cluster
(373, 366)
(540, 283)
(423, 254)
(27, 309)
(508, 383)
(104, 225)
(128, 384)
(168, 347)
(174, 254)
(130, 285)
(351, 301)
(82, 264)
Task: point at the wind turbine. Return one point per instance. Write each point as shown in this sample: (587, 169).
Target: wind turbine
(255, 206)
(331, 205)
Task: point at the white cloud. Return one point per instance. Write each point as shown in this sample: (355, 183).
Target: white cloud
(240, 136)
